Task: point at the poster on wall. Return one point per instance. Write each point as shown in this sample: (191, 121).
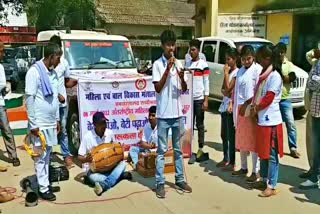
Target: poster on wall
(125, 102)
(242, 26)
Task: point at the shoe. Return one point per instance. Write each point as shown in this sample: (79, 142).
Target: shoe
(240, 173)
(295, 154)
(260, 185)
(15, 162)
(228, 168)
(253, 178)
(268, 192)
(205, 130)
(199, 153)
(3, 169)
(68, 162)
(222, 164)
(192, 159)
(48, 196)
(308, 185)
(184, 186)
(5, 196)
(126, 176)
(202, 156)
(305, 175)
(160, 191)
(98, 189)
(54, 189)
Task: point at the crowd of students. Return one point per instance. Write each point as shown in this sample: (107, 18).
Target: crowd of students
(255, 104)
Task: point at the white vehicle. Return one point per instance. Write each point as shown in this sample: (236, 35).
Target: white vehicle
(214, 48)
(88, 52)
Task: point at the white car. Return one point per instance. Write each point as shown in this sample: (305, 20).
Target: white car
(214, 48)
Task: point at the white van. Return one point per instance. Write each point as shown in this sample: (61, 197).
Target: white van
(87, 52)
(214, 48)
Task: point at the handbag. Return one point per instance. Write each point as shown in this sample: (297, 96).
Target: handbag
(58, 173)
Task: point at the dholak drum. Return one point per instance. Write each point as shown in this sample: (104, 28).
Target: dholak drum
(106, 156)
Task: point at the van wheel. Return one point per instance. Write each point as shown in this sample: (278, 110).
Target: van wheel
(74, 134)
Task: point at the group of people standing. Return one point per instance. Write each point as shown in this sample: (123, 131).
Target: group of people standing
(255, 104)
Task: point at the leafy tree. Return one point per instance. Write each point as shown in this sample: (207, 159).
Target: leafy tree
(76, 14)
(16, 5)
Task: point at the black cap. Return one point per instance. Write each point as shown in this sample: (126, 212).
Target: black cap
(99, 117)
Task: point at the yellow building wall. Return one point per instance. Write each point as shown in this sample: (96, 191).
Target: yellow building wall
(279, 25)
(208, 25)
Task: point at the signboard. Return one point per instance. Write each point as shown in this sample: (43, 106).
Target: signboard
(242, 25)
(125, 102)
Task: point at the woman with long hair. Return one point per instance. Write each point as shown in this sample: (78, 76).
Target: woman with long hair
(265, 110)
(246, 80)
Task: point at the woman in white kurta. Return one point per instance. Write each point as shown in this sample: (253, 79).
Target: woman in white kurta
(246, 80)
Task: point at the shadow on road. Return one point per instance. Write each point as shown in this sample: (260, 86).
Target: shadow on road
(214, 145)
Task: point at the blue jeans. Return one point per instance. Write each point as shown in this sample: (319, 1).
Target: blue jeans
(287, 117)
(63, 136)
(316, 149)
(269, 169)
(108, 180)
(177, 128)
(134, 153)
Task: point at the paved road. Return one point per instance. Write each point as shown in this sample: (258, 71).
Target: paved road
(214, 191)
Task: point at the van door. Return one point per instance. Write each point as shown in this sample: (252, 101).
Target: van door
(209, 49)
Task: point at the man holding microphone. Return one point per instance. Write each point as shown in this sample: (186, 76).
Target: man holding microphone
(169, 82)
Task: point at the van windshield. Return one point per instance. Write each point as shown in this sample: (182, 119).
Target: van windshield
(255, 45)
(98, 54)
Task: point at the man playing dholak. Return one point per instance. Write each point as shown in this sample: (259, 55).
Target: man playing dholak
(43, 114)
(149, 138)
(100, 135)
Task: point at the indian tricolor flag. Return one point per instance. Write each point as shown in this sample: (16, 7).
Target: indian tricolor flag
(18, 120)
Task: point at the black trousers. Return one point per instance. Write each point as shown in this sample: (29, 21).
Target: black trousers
(228, 137)
(198, 118)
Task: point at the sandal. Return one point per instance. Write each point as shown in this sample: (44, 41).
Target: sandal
(268, 193)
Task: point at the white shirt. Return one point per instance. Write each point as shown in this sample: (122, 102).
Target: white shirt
(92, 140)
(169, 99)
(150, 135)
(188, 57)
(2, 83)
(246, 82)
(46, 109)
(271, 116)
(201, 72)
(226, 100)
(63, 72)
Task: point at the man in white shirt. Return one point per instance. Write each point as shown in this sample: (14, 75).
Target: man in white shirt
(99, 135)
(201, 72)
(4, 123)
(169, 82)
(149, 138)
(43, 113)
(64, 82)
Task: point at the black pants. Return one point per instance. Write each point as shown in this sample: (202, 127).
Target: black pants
(198, 118)
(228, 138)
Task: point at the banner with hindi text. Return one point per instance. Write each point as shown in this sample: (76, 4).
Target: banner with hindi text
(125, 102)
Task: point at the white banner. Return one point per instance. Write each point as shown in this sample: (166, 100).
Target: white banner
(242, 25)
(125, 102)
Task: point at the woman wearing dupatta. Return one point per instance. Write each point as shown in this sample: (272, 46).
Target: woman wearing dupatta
(265, 108)
(246, 80)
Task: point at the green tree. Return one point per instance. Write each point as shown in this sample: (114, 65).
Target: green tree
(16, 5)
(76, 14)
